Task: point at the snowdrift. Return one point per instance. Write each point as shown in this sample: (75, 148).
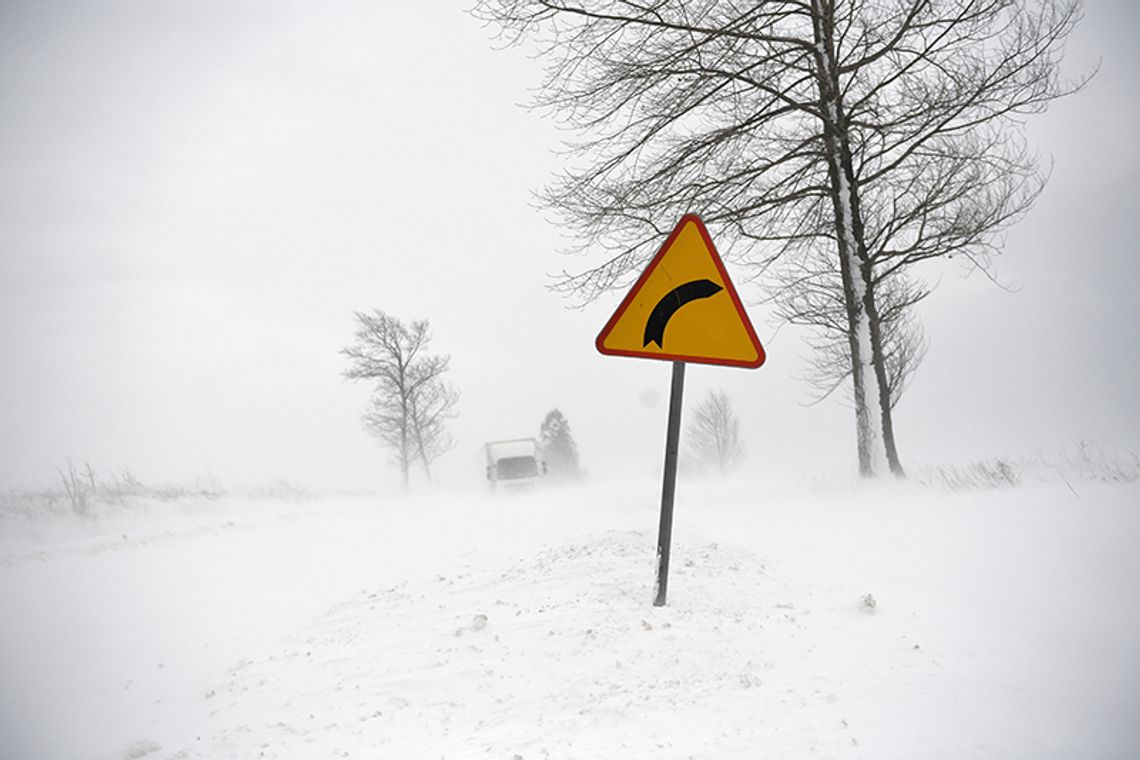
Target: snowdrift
(844, 621)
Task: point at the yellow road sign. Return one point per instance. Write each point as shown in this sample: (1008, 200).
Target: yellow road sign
(683, 308)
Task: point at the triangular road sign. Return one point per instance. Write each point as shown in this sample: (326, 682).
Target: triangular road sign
(683, 308)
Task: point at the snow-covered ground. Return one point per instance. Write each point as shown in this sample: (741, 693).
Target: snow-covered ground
(815, 621)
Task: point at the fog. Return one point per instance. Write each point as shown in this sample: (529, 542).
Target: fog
(196, 198)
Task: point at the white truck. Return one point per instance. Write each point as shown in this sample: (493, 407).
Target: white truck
(514, 465)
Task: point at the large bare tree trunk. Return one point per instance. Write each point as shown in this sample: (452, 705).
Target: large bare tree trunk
(872, 399)
(405, 446)
(885, 401)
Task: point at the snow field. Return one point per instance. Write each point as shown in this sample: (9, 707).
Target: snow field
(1005, 624)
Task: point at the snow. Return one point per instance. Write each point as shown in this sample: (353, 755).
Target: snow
(842, 619)
(517, 447)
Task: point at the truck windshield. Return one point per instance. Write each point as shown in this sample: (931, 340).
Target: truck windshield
(511, 468)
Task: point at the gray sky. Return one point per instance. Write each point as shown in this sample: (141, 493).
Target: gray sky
(196, 197)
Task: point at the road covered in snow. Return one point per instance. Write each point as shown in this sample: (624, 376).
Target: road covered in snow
(816, 621)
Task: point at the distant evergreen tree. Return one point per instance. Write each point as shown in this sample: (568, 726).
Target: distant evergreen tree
(557, 447)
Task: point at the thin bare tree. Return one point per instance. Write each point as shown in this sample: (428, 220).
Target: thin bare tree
(713, 433)
(432, 404)
(412, 399)
(880, 133)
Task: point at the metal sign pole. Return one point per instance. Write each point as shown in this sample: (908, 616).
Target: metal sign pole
(669, 485)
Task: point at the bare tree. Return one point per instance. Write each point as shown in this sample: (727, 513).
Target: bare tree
(412, 399)
(880, 133)
(432, 404)
(713, 433)
(806, 294)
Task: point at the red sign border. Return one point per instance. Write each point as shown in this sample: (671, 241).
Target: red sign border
(728, 286)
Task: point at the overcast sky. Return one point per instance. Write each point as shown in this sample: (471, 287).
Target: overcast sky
(196, 197)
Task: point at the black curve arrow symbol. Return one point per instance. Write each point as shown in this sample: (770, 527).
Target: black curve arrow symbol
(673, 300)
